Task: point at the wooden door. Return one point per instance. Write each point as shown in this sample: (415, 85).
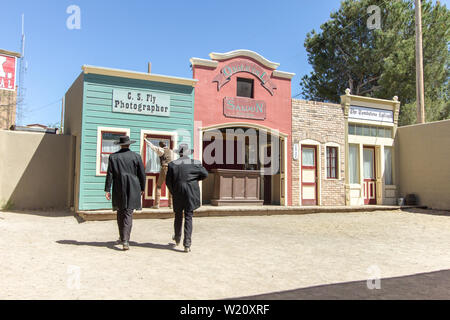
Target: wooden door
(369, 170)
(309, 175)
(152, 167)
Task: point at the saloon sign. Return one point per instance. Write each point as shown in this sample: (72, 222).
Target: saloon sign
(244, 66)
(7, 72)
(244, 108)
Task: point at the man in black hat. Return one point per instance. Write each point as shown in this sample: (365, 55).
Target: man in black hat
(126, 173)
(182, 179)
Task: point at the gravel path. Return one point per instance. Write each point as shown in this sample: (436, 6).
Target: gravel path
(53, 256)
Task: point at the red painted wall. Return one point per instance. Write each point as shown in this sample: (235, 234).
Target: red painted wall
(209, 103)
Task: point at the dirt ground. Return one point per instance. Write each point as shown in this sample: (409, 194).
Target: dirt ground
(51, 255)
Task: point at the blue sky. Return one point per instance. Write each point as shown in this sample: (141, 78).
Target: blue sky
(129, 34)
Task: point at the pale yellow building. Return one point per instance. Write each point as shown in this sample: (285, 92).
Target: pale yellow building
(370, 128)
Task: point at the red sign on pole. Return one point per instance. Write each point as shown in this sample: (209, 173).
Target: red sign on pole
(244, 108)
(8, 72)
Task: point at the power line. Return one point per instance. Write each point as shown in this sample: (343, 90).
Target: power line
(44, 106)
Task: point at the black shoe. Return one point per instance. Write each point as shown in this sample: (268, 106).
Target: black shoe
(176, 241)
(126, 245)
(187, 249)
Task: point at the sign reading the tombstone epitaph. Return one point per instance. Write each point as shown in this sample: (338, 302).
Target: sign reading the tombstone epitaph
(364, 113)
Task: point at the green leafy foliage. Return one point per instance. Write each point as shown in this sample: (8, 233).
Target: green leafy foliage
(381, 63)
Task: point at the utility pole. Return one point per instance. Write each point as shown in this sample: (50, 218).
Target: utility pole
(419, 65)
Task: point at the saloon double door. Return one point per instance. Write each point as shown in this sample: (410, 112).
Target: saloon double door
(152, 168)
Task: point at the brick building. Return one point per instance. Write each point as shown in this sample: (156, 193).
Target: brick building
(318, 165)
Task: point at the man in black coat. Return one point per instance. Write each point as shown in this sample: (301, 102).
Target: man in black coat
(182, 179)
(127, 175)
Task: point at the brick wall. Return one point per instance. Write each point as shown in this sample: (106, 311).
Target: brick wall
(324, 123)
(7, 108)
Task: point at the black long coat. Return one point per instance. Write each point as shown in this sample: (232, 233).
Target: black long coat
(182, 179)
(127, 176)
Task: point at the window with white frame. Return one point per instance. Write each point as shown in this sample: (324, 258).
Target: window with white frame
(332, 162)
(388, 180)
(106, 146)
(353, 163)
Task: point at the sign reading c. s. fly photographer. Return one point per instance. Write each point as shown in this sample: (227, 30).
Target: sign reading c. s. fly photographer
(141, 102)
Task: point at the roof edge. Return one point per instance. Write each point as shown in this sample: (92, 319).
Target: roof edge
(138, 75)
(246, 53)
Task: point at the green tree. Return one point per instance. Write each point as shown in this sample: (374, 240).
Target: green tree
(381, 63)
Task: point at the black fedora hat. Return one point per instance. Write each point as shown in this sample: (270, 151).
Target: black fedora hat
(124, 141)
(183, 148)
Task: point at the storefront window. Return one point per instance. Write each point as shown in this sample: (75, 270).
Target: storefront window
(388, 166)
(332, 162)
(108, 147)
(369, 131)
(353, 161)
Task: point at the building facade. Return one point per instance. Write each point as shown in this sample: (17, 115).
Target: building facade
(370, 131)
(318, 162)
(260, 146)
(103, 104)
(243, 115)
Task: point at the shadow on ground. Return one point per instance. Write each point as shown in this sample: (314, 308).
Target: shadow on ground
(423, 286)
(48, 213)
(114, 245)
(428, 211)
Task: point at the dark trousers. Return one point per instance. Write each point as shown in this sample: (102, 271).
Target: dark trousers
(125, 222)
(187, 226)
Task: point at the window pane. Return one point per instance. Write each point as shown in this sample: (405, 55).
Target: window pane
(351, 129)
(388, 133)
(331, 162)
(373, 131)
(245, 87)
(368, 163)
(353, 161)
(108, 139)
(366, 131)
(358, 130)
(380, 132)
(153, 164)
(308, 157)
(388, 165)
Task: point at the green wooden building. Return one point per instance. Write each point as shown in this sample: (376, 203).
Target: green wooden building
(103, 104)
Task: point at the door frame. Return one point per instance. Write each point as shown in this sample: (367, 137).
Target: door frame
(284, 190)
(174, 138)
(373, 180)
(316, 169)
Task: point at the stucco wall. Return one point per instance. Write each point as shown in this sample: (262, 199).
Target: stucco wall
(35, 169)
(209, 103)
(423, 162)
